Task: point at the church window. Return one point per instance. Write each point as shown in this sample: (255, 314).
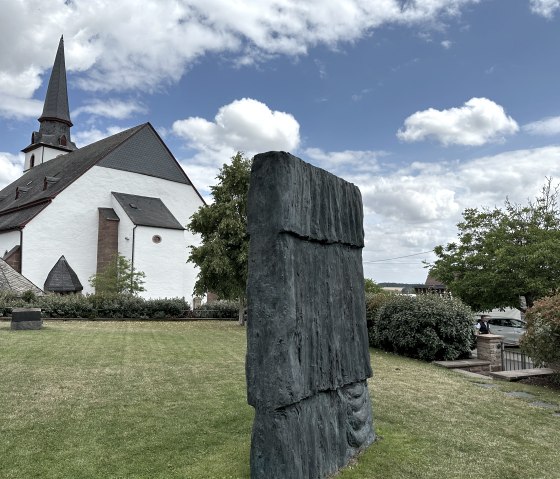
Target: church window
(62, 140)
(156, 239)
(32, 161)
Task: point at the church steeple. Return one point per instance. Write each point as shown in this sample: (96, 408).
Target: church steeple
(53, 137)
(56, 101)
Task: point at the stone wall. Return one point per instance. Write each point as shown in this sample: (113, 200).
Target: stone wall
(308, 355)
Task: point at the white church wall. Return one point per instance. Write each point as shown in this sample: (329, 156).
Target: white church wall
(69, 225)
(163, 262)
(42, 154)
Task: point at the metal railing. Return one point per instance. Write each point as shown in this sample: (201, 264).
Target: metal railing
(515, 360)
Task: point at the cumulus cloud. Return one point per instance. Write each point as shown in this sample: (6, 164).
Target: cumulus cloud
(545, 8)
(11, 167)
(111, 108)
(417, 207)
(86, 137)
(477, 122)
(548, 126)
(154, 47)
(446, 44)
(243, 125)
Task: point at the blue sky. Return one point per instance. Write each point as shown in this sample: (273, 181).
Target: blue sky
(429, 106)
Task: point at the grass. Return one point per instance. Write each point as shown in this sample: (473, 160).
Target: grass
(167, 400)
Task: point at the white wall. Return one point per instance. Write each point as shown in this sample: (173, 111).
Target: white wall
(69, 226)
(42, 154)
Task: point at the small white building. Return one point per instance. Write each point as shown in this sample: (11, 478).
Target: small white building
(74, 209)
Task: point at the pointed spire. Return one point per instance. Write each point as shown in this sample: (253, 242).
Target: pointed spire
(56, 101)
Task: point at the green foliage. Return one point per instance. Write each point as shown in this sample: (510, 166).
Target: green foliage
(542, 340)
(118, 278)
(222, 257)
(371, 286)
(221, 309)
(427, 327)
(116, 306)
(374, 301)
(503, 254)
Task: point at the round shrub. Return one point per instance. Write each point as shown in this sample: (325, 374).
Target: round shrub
(542, 340)
(374, 301)
(427, 327)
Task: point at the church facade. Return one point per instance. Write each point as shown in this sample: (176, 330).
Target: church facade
(74, 209)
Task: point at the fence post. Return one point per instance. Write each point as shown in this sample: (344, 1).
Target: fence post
(489, 348)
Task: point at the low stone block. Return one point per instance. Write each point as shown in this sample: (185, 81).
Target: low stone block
(26, 319)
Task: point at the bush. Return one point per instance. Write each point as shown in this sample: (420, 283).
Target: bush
(542, 340)
(374, 301)
(221, 309)
(115, 306)
(426, 327)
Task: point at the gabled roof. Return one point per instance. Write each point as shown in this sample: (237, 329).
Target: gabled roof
(139, 150)
(147, 211)
(13, 282)
(62, 278)
(56, 101)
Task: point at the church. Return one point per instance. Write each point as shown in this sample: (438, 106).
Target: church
(74, 209)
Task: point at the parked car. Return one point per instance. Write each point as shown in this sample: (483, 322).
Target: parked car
(510, 328)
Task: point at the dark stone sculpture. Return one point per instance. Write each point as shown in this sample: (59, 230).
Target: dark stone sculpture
(26, 318)
(307, 346)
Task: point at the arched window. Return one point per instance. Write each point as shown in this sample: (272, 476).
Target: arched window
(62, 140)
(32, 161)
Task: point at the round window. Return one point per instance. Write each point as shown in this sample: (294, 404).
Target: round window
(156, 239)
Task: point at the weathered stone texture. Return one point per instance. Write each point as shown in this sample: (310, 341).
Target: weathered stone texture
(26, 318)
(307, 355)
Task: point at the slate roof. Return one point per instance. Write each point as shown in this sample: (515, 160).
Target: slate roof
(62, 278)
(56, 101)
(147, 211)
(13, 282)
(146, 153)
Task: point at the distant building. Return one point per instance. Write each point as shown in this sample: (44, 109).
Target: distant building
(74, 209)
(431, 286)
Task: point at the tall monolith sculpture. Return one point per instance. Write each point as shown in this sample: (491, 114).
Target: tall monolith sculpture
(307, 346)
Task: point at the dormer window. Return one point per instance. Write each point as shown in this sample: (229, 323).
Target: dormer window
(49, 180)
(20, 190)
(62, 140)
(32, 161)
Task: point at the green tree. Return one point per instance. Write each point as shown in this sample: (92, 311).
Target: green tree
(504, 253)
(222, 256)
(371, 286)
(118, 277)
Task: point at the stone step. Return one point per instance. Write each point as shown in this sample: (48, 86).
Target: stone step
(462, 363)
(518, 374)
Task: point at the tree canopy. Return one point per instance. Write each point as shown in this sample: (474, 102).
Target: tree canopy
(118, 277)
(222, 256)
(371, 286)
(504, 253)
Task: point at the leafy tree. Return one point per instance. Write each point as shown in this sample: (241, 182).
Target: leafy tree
(118, 277)
(504, 253)
(371, 286)
(222, 257)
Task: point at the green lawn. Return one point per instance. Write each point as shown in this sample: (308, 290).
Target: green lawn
(167, 400)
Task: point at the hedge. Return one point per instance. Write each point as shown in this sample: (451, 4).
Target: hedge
(426, 327)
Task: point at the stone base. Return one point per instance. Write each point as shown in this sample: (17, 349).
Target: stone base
(25, 325)
(26, 318)
(313, 438)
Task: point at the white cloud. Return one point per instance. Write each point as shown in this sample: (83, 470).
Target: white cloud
(477, 122)
(548, 126)
(446, 44)
(244, 125)
(11, 168)
(545, 8)
(111, 108)
(418, 206)
(86, 137)
(155, 45)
